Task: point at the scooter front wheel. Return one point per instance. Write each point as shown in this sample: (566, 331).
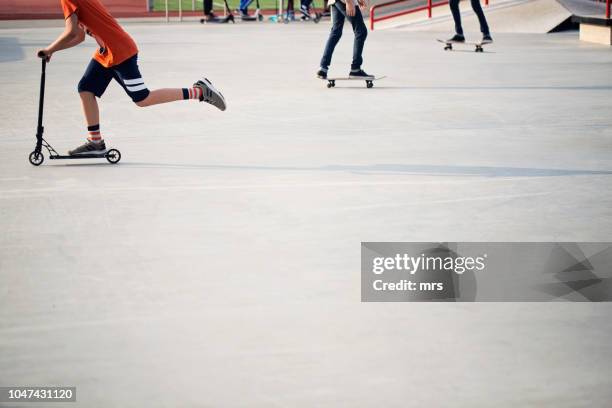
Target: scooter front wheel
(36, 158)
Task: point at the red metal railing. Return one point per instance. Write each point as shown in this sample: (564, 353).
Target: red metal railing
(430, 5)
(607, 8)
(373, 19)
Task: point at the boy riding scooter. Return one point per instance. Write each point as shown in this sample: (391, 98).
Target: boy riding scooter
(116, 59)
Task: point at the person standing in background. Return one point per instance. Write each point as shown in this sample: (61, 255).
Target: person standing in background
(484, 27)
(340, 12)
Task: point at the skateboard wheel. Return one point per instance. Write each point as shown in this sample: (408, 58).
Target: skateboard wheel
(113, 156)
(36, 158)
(448, 47)
(369, 84)
(329, 85)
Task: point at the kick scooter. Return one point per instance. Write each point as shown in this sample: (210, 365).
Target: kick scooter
(36, 157)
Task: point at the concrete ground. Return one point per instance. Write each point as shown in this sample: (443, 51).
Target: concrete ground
(218, 264)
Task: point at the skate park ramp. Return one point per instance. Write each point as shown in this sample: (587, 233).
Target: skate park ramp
(512, 16)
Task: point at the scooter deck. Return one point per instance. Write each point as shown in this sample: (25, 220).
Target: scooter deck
(78, 156)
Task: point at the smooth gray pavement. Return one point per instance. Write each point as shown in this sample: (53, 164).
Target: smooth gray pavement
(218, 264)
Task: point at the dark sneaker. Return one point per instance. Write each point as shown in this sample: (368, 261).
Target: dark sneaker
(360, 74)
(486, 39)
(211, 17)
(210, 94)
(322, 74)
(458, 38)
(89, 148)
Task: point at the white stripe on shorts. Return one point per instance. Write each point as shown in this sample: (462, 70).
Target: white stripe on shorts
(135, 81)
(136, 88)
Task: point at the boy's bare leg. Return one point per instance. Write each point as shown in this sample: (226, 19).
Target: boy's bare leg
(164, 95)
(203, 90)
(90, 108)
(95, 143)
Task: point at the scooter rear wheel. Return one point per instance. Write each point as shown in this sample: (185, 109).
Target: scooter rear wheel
(113, 156)
(36, 158)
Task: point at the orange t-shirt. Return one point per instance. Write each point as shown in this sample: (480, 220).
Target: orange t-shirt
(116, 45)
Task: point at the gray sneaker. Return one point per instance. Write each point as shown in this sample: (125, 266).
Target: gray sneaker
(89, 148)
(210, 94)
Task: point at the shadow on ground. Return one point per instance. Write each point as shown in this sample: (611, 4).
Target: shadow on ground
(377, 169)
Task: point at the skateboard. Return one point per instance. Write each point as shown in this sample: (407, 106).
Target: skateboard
(448, 45)
(331, 82)
(316, 17)
(222, 20)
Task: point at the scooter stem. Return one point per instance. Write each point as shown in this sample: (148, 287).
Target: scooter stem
(41, 100)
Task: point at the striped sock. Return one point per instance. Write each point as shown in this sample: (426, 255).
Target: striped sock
(192, 93)
(94, 133)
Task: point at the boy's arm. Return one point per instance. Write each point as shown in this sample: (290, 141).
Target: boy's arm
(73, 35)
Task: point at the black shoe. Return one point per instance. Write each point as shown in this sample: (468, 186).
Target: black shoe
(210, 94)
(322, 74)
(459, 38)
(89, 148)
(211, 18)
(360, 74)
(486, 39)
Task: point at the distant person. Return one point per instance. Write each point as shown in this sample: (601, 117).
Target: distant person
(209, 16)
(243, 8)
(290, 14)
(116, 59)
(305, 6)
(339, 12)
(484, 27)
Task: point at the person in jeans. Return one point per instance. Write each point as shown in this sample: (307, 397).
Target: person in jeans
(208, 11)
(484, 27)
(341, 11)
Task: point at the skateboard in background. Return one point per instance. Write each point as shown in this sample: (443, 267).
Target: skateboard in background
(331, 81)
(479, 46)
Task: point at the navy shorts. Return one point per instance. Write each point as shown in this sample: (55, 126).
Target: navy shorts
(97, 77)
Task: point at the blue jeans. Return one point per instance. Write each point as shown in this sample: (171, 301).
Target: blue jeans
(244, 5)
(454, 6)
(338, 12)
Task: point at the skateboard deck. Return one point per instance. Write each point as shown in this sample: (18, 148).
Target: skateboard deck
(220, 20)
(331, 81)
(448, 45)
